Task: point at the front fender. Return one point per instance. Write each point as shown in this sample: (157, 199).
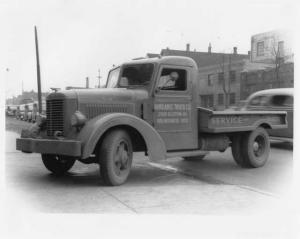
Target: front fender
(96, 127)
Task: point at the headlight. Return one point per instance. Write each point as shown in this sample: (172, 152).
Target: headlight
(78, 119)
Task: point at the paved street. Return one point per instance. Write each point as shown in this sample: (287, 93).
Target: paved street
(214, 186)
(274, 178)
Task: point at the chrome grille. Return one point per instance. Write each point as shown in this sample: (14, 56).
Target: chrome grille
(55, 116)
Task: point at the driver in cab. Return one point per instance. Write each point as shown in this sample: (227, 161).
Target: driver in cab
(168, 81)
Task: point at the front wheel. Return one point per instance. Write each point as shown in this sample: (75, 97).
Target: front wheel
(58, 164)
(115, 157)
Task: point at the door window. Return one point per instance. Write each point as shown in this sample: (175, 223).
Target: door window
(172, 79)
(282, 100)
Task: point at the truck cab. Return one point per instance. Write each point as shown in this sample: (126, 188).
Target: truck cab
(148, 105)
(170, 103)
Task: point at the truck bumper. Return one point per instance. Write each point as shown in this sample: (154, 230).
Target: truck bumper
(49, 146)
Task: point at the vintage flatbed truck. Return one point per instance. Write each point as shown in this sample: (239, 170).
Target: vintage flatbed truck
(148, 105)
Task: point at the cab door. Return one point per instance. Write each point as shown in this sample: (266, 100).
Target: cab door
(283, 103)
(174, 114)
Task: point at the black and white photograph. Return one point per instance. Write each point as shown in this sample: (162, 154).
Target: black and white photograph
(147, 118)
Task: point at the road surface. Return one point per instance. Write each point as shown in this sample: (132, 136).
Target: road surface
(215, 186)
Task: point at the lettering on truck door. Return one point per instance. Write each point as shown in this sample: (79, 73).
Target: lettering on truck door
(172, 109)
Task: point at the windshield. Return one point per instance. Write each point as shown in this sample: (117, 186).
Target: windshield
(113, 77)
(132, 76)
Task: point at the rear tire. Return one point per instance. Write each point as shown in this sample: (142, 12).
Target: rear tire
(256, 147)
(58, 164)
(115, 157)
(236, 149)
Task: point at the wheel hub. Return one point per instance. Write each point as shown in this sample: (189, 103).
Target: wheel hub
(258, 146)
(121, 158)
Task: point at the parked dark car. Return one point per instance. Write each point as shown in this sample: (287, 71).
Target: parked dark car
(281, 99)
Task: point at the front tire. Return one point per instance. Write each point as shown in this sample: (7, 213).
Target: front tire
(58, 164)
(115, 157)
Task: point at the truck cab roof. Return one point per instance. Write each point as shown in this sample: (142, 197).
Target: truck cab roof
(167, 60)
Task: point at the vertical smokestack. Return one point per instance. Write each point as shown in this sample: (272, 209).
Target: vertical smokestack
(235, 50)
(188, 47)
(209, 48)
(87, 83)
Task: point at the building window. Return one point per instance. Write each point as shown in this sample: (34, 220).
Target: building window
(260, 48)
(221, 77)
(232, 76)
(207, 101)
(220, 99)
(281, 48)
(209, 79)
(232, 98)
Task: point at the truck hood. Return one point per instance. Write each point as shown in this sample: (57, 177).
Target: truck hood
(110, 95)
(94, 102)
(104, 95)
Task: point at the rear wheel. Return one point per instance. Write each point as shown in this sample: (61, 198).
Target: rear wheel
(256, 147)
(115, 157)
(58, 164)
(236, 149)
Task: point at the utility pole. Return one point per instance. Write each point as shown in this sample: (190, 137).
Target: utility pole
(99, 77)
(38, 70)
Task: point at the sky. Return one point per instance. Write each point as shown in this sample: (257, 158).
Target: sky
(76, 38)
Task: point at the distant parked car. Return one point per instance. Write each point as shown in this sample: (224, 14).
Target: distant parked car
(281, 99)
(11, 110)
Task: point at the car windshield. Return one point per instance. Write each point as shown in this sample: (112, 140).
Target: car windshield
(113, 77)
(135, 75)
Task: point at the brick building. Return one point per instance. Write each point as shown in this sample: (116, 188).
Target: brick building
(260, 79)
(267, 47)
(274, 50)
(226, 79)
(219, 84)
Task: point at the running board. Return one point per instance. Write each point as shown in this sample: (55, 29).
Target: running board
(289, 140)
(187, 153)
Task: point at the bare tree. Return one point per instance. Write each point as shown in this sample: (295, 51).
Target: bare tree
(277, 58)
(226, 81)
